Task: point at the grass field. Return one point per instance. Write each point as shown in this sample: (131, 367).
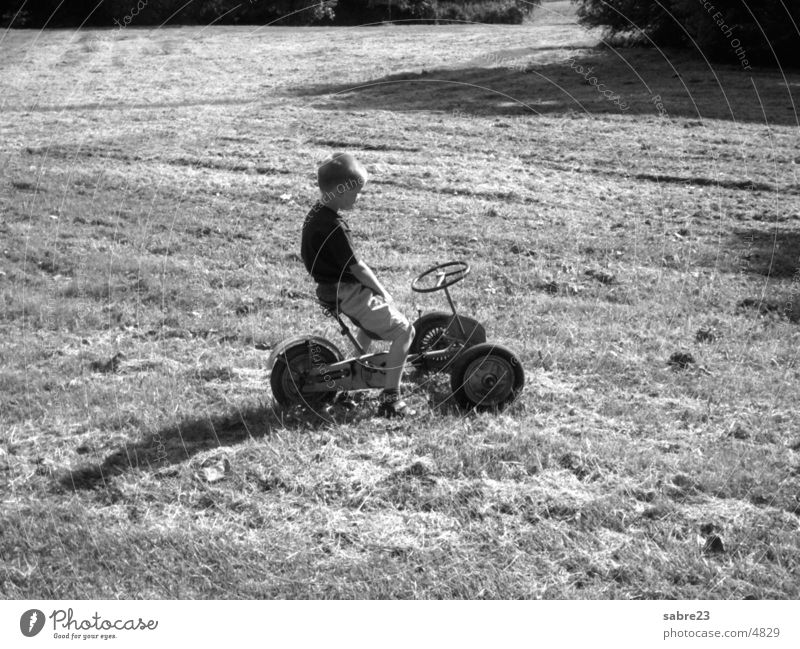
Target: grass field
(153, 189)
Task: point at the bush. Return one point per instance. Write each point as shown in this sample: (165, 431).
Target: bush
(735, 31)
(510, 11)
(280, 12)
(359, 12)
(15, 16)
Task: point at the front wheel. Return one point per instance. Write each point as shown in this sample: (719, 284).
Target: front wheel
(290, 371)
(487, 377)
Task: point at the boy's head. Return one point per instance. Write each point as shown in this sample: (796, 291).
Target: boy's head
(340, 178)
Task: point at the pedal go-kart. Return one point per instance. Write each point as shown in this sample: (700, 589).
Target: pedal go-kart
(310, 370)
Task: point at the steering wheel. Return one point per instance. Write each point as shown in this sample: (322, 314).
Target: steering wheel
(447, 274)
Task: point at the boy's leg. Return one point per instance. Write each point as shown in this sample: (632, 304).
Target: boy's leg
(382, 320)
(396, 359)
(392, 404)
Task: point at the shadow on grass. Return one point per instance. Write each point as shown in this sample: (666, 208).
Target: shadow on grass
(177, 443)
(772, 253)
(686, 87)
(172, 445)
(434, 389)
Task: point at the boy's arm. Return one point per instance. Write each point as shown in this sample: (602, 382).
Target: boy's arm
(364, 274)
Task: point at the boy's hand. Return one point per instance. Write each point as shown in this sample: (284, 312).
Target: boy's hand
(364, 274)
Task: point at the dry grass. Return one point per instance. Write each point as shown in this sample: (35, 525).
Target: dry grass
(149, 263)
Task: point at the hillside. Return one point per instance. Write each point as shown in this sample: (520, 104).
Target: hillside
(154, 184)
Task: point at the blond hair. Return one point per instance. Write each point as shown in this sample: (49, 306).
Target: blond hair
(340, 173)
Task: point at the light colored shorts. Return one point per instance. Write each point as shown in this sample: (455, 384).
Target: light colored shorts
(368, 311)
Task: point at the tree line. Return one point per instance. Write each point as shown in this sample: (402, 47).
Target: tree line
(123, 13)
(743, 32)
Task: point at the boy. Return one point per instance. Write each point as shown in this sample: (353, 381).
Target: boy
(344, 280)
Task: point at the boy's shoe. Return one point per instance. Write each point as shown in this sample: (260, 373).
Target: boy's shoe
(392, 406)
(346, 400)
(397, 409)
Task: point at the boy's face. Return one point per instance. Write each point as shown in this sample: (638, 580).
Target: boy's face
(349, 197)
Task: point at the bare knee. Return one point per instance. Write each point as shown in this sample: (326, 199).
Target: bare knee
(408, 336)
(405, 338)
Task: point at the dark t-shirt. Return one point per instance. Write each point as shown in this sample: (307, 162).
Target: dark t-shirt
(326, 246)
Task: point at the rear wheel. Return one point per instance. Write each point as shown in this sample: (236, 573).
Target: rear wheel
(290, 371)
(487, 377)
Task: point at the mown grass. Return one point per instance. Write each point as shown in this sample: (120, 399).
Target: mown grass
(152, 197)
